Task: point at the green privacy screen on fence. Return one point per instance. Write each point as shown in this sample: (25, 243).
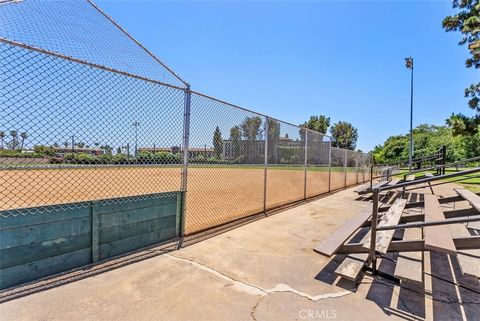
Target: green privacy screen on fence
(36, 242)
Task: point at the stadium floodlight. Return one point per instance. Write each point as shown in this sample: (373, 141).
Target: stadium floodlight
(136, 124)
(409, 65)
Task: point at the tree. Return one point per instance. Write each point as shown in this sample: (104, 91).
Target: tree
(2, 137)
(252, 132)
(344, 135)
(273, 136)
(235, 138)
(317, 123)
(467, 22)
(463, 125)
(251, 128)
(14, 135)
(24, 136)
(65, 144)
(217, 143)
(427, 139)
(119, 150)
(107, 148)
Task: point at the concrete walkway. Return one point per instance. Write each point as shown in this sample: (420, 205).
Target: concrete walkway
(265, 270)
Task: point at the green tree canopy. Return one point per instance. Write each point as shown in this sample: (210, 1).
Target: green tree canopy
(217, 143)
(344, 135)
(427, 140)
(235, 137)
(251, 128)
(467, 22)
(317, 123)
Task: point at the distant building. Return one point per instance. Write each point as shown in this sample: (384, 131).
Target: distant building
(247, 148)
(61, 151)
(193, 152)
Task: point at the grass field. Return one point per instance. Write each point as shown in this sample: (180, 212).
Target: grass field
(215, 194)
(470, 182)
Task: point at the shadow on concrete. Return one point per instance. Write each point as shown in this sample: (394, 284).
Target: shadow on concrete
(445, 300)
(411, 297)
(381, 290)
(327, 274)
(469, 290)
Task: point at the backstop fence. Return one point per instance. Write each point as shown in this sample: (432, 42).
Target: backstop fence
(104, 120)
(105, 150)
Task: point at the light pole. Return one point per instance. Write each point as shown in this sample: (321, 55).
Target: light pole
(409, 65)
(136, 124)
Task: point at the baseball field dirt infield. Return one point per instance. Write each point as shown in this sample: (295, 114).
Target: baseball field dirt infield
(215, 195)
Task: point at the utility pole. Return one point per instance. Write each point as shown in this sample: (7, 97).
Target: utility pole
(136, 124)
(73, 142)
(409, 65)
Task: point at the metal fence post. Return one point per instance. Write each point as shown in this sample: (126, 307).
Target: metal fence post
(330, 167)
(345, 166)
(371, 176)
(356, 164)
(364, 170)
(305, 165)
(265, 167)
(185, 144)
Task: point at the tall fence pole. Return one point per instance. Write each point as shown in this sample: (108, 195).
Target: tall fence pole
(185, 144)
(330, 167)
(265, 167)
(345, 166)
(356, 165)
(305, 165)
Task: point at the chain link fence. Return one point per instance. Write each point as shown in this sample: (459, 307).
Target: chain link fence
(85, 118)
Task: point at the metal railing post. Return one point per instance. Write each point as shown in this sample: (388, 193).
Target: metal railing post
(185, 144)
(345, 166)
(330, 167)
(265, 167)
(305, 165)
(373, 233)
(371, 176)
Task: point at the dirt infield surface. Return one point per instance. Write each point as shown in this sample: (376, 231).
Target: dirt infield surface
(215, 195)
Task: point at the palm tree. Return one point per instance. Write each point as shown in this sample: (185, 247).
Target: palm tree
(14, 135)
(2, 136)
(24, 136)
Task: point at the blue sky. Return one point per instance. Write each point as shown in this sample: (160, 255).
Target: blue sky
(294, 59)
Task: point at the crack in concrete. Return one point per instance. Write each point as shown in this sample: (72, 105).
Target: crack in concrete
(252, 313)
(256, 290)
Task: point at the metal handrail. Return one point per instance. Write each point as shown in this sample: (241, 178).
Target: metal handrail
(428, 179)
(443, 165)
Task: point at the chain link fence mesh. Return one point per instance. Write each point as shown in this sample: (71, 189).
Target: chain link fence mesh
(225, 173)
(286, 159)
(92, 116)
(71, 133)
(318, 163)
(352, 167)
(338, 169)
(79, 29)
